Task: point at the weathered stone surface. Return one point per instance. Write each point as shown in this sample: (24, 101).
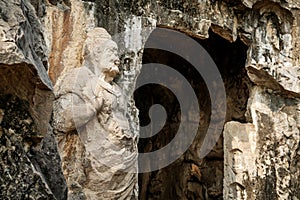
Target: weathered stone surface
(23, 51)
(66, 25)
(91, 125)
(269, 28)
(33, 36)
(30, 164)
(18, 19)
(239, 160)
(265, 151)
(276, 121)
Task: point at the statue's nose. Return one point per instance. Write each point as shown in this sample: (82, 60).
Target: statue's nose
(117, 62)
(115, 69)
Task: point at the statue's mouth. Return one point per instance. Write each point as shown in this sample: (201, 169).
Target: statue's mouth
(111, 73)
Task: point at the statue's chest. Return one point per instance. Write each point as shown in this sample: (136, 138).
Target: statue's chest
(113, 112)
(113, 101)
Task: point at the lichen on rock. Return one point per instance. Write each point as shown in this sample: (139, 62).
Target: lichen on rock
(42, 44)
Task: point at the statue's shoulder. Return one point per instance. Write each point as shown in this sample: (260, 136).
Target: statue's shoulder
(80, 73)
(111, 88)
(73, 80)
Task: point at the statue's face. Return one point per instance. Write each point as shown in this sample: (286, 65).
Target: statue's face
(237, 161)
(104, 56)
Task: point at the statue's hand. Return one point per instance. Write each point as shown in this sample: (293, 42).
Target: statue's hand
(98, 87)
(98, 102)
(98, 99)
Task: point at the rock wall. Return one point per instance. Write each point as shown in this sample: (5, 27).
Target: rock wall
(97, 145)
(30, 165)
(270, 29)
(42, 42)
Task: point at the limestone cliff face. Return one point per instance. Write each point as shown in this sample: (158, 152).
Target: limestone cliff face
(30, 163)
(255, 45)
(270, 30)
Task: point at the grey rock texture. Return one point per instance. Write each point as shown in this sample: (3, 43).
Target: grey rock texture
(30, 163)
(96, 143)
(22, 40)
(255, 45)
(270, 29)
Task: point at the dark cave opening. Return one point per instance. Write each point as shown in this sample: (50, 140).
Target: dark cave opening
(190, 177)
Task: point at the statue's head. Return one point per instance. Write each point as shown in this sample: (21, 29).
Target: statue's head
(237, 161)
(100, 54)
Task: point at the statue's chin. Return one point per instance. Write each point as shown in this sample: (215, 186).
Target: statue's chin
(109, 76)
(109, 79)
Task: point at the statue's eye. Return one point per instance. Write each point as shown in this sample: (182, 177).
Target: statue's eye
(98, 49)
(117, 62)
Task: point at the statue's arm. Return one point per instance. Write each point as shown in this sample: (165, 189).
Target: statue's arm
(71, 112)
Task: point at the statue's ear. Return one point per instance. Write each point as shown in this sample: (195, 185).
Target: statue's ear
(85, 52)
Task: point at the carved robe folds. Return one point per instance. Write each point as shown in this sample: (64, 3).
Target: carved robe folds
(97, 147)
